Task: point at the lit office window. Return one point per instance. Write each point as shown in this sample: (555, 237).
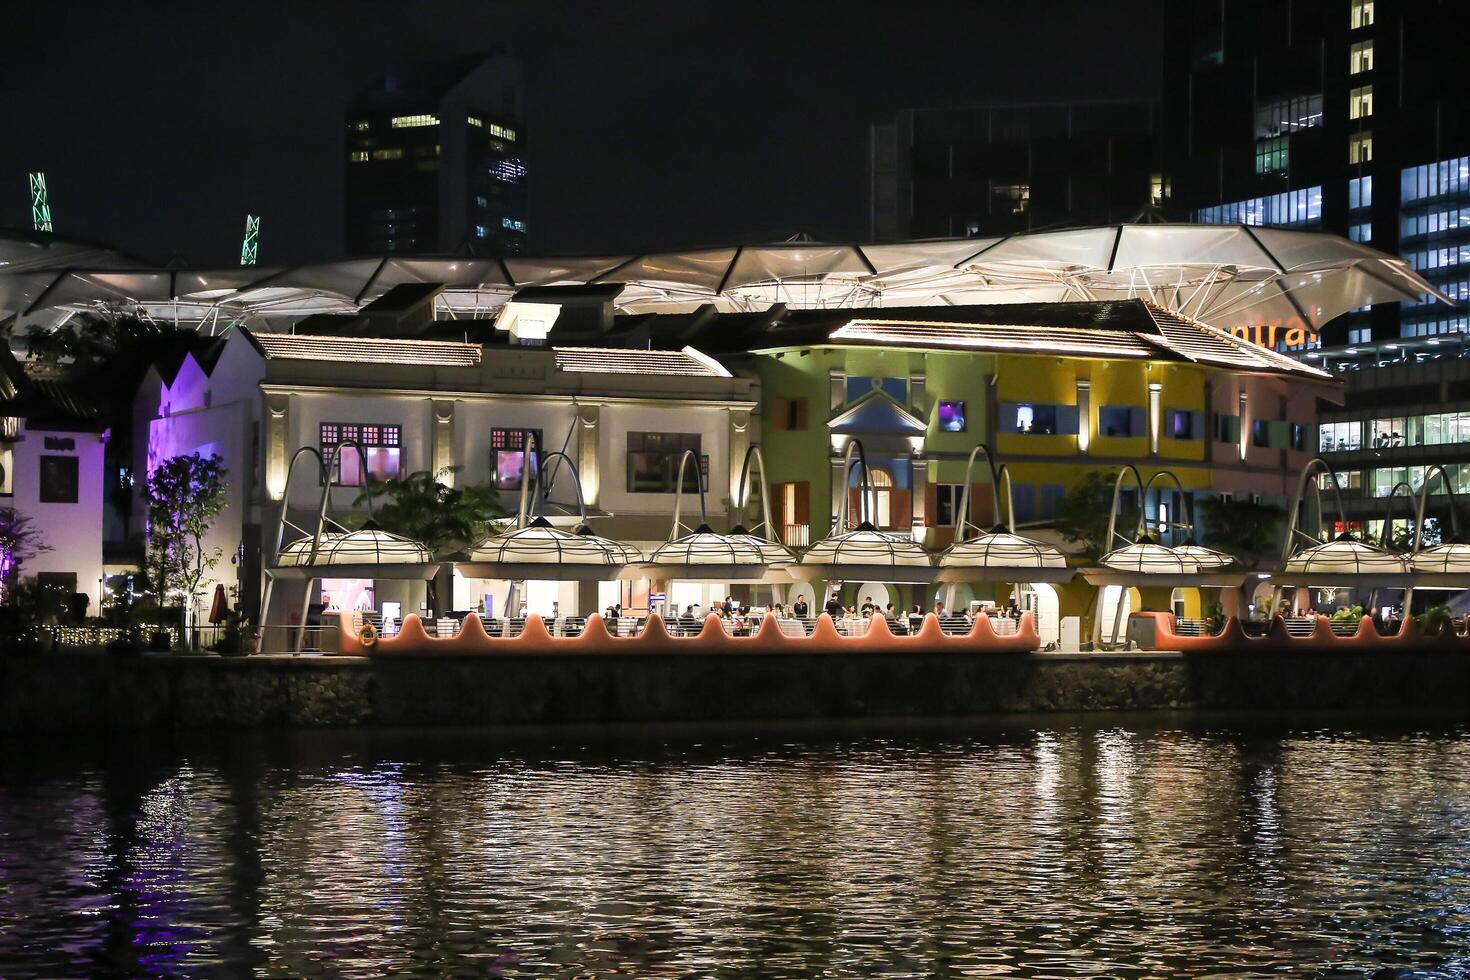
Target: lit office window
(511, 170)
(1360, 148)
(414, 122)
(1015, 198)
(1362, 13)
(1361, 232)
(511, 224)
(1360, 102)
(1271, 155)
(1360, 58)
(1360, 192)
(358, 156)
(504, 132)
(475, 122)
(1435, 220)
(1360, 335)
(1287, 116)
(390, 153)
(1301, 208)
(1159, 190)
(1436, 179)
(361, 126)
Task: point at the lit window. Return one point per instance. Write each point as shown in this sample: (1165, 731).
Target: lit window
(1361, 232)
(508, 456)
(1360, 148)
(951, 416)
(481, 231)
(361, 126)
(1435, 179)
(389, 153)
(504, 132)
(511, 224)
(1271, 155)
(414, 122)
(1159, 190)
(1362, 15)
(481, 201)
(1360, 102)
(359, 156)
(1287, 116)
(1302, 208)
(1013, 197)
(475, 122)
(380, 445)
(1360, 59)
(511, 170)
(1360, 192)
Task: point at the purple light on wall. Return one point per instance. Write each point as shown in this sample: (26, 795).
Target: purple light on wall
(951, 416)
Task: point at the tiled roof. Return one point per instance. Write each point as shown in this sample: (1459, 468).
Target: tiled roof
(367, 350)
(687, 363)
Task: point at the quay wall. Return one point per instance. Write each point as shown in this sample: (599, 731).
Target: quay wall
(94, 691)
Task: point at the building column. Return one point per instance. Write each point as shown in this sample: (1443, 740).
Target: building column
(1084, 415)
(589, 438)
(739, 438)
(441, 442)
(1155, 415)
(277, 458)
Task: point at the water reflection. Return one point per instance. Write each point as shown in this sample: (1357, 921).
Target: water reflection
(1067, 851)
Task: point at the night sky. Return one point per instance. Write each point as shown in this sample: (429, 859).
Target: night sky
(651, 125)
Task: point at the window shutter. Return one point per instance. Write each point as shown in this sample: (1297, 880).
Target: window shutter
(1137, 422)
(800, 414)
(803, 502)
(1279, 433)
(1007, 421)
(931, 504)
(1067, 420)
(982, 505)
(781, 414)
(1196, 425)
(854, 506)
(901, 508)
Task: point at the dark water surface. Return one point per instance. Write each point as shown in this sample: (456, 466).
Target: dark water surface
(1074, 848)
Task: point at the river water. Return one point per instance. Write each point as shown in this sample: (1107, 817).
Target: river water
(1065, 848)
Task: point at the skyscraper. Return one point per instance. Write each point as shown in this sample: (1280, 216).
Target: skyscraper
(434, 161)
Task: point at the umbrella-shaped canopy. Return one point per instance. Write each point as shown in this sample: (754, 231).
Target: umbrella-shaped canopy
(1151, 558)
(1001, 555)
(540, 543)
(1208, 559)
(1452, 557)
(708, 554)
(369, 545)
(866, 554)
(1345, 556)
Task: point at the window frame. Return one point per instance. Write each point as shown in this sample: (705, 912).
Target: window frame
(370, 436)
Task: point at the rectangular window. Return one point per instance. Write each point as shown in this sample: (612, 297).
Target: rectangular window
(1360, 57)
(1120, 420)
(1340, 437)
(1181, 424)
(381, 445)
(1362, 14)
(1227, 427)
(1435, 179)
(1360, 148)
(504, 132)
(389, 153)
(59, 479)
(1286, 116)
(481, 231)
(653, 462)
(415, 121)
(1012, 198)
(1360, 102)
(1360, 193)
(361, 126)
(508, 456)
(1301, 208)
(1036, 420)
(1261, 433)
(1361, 232)
(1271, 155)
(475, 121)
(789, 414)
(947, 497)
(951, 416)
(358, 156)
(1298, 437)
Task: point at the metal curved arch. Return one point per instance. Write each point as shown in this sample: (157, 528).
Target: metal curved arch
(753, 453)
(1143, 508)
(867, 486)
(999, 478)
(1385, 538)
(1123, 471)
(1312, 465)
(1423, 501)
(679, 492)
(540, 497)
(367, 487)
(321, 466)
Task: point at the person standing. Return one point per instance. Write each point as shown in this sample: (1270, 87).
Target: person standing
(799, 609)
(834, 607)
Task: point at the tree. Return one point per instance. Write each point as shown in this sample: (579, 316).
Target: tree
(1082, 515)
(1242, 528)
(20, 541)
(421, 507)
(185, 495)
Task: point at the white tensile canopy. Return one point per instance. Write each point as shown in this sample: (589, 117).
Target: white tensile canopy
(1224, 275)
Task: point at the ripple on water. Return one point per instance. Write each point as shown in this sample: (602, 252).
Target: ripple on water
(1066, 853)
